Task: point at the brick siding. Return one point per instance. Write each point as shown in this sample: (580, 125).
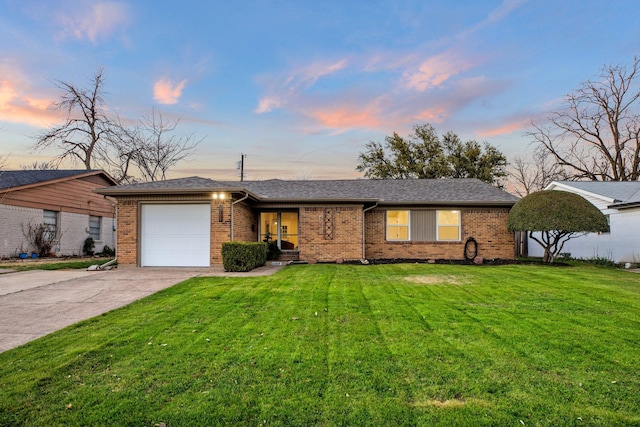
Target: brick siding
(328, 233)
(72, 230)
(487, 225)
(345, 239)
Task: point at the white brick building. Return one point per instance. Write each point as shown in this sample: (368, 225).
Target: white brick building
(64, 200)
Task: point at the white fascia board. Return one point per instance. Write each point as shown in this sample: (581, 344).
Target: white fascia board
(566, 187)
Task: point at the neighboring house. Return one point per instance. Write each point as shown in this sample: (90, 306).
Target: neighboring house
(183, 222)
(61, 198)
(620, 203)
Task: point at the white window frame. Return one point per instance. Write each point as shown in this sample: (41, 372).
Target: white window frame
(278, 236)
(459, 225)
(99, 234)
(51, 215)
(408, 225)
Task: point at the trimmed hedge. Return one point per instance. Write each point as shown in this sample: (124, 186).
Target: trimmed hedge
(243, 256)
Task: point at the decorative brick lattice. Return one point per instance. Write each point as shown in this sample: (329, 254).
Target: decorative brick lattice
(328, 224)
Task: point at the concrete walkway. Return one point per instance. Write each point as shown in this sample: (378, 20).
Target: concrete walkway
(37, 302)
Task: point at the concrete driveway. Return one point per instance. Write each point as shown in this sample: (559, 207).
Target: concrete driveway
(36, 303)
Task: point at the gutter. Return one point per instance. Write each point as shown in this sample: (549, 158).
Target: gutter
(363, 229)
(246, 196)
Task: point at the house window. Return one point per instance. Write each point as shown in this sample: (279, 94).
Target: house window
(423, 225)
(280, 227)
(95, 223)
(397, 225)
(448, 225)
(50, 218)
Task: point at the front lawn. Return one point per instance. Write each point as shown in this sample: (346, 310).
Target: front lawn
(370, 345)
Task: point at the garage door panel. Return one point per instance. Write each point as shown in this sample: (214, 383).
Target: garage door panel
(176, 235)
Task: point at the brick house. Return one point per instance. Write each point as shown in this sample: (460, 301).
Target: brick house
(63, 199)
(183, 222)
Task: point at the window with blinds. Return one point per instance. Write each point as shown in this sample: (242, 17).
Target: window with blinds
(423, 225)
(95, 223)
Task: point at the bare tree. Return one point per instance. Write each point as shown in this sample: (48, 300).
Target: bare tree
(596, 135)
(149, 148)
(86, 127)
(158, 149)
(119, 157)
(100, 140)
(527, 177)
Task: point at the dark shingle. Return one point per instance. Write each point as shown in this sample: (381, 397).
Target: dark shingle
(11, 179)
(387, 190)
(419, 191)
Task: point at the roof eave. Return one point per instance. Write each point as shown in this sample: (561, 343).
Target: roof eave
(57, 180)
(495, 203)
(622, 206)
(317, 200)
(580, 191)
(116, 192)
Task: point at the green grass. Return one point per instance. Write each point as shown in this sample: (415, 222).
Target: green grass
(347, 345)
(55, 265)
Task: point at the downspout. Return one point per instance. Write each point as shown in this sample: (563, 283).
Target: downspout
(246, 195)
(363, 230)
(115, 241)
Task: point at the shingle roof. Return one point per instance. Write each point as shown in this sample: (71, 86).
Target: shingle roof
(621, 192)
(11, 179)
(420, 191)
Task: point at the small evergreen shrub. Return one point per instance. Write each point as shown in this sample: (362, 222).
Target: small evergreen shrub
(243, 256)
(107, 251)
(88, 246)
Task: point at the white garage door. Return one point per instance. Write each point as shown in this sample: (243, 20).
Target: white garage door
(175, 235)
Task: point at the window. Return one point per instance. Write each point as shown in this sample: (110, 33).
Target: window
(397, 225)
(423, 225)
(95, 223)
(50, 218)
(280, 227)
(448, 225)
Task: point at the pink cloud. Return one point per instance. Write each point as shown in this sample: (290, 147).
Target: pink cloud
(269, 103)
(17, 106)
(281, 90)
(511, 126)
(347, 118)
(165, 92)
(437, 114)
(434, 71)
(94, 21)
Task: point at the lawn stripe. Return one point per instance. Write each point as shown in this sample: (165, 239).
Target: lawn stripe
(400, 344)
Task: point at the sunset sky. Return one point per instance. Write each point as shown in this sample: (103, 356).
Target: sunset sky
(301, 86)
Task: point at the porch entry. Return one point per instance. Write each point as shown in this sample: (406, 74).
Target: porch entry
(280, 227)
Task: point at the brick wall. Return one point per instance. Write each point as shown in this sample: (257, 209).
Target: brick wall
(12, 239)
(220, 228)
(330, 232)
(72, 228)
(487, 225)
(245, 223)
(127, 233)
(73, 232)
